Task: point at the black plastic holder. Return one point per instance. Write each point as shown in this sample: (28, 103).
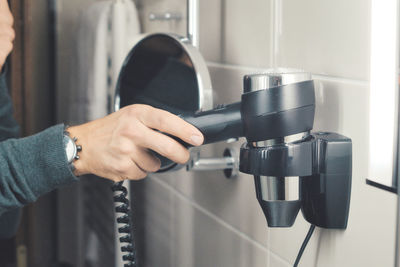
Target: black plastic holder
(323, 161)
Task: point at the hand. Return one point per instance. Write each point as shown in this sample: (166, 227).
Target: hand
(117, 146)
(7, 33)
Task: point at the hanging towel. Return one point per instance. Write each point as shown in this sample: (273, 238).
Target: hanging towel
(93, 80)
(124, 27)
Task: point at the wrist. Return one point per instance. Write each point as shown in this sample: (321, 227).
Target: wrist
(79, 163)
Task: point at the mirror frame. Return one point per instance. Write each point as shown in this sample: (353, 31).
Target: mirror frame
(205, 95)
(199, 65)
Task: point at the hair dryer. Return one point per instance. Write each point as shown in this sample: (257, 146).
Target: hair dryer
(292, 168)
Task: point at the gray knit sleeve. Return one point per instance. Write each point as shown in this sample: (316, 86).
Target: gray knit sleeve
(31, 167)
(9, 221)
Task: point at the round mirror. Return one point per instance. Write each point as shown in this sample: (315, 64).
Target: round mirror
(166, 72)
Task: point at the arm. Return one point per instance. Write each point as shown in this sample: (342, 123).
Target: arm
(31, 167)
(116, 147)
(8, 128)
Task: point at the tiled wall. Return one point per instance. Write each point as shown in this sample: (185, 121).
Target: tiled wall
(204, 219)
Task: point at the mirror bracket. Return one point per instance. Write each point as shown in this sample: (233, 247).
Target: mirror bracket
(229, 163)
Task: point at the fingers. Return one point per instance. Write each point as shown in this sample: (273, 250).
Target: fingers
(7, 33)
(146, 161)
(5, 49)
(161, 144)
(124, 138)
(5, 13)
(143, 163)
(131, 172)
(169, 123)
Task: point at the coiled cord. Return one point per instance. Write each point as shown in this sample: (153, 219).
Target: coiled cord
(126, 238)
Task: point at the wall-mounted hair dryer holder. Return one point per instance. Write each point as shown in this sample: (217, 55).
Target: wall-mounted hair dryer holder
(276, 116)
(323, 161)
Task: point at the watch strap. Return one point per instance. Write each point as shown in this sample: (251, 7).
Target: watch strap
(77, 148)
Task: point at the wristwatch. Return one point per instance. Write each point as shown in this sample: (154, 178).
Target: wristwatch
(71, 149)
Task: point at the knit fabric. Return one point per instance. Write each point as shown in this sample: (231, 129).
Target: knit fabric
(31, 166)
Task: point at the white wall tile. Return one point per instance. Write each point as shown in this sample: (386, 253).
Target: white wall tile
(211, 22)
(246, 32)
(186, 236)
(326, 37)
(232, 200)
(231, 31)
(275, 261)
(156, 215)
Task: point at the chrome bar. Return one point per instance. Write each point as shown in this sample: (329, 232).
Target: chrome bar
(193, 22)
(167, 16)
(212, 164)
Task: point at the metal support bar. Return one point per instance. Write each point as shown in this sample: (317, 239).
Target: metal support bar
(193, 22)
(229, 163)
(211, 164)
(167, 16)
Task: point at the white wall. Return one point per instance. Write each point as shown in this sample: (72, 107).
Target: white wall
(207, 220)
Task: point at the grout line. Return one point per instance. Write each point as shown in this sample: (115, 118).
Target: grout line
(277, 29)
(272, 32)
(318, 76)
(234, 67)
(273, 62)
(340, 79)
(183, 197)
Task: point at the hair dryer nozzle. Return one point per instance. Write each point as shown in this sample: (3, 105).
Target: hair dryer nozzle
(280, 213)
(279, 199)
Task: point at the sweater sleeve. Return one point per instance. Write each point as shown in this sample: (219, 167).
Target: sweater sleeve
(31, 166)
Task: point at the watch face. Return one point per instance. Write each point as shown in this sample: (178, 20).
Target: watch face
(70, 148)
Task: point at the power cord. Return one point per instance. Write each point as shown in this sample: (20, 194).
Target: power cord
(303, 246)
(120, 196)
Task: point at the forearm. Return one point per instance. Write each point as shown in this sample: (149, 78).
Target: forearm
(31, 167)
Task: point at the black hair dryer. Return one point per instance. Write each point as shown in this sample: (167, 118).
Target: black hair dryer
(293, 168)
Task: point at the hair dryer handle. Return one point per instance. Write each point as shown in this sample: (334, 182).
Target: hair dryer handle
(219, 124)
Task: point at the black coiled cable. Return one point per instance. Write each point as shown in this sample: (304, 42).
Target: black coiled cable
(127, 240)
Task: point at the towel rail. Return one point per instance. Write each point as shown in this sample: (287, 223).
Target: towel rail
(166, 16)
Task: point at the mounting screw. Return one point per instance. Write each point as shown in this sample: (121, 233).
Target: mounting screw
(232, 172)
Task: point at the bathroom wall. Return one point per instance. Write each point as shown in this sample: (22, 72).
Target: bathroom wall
(204, 219)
